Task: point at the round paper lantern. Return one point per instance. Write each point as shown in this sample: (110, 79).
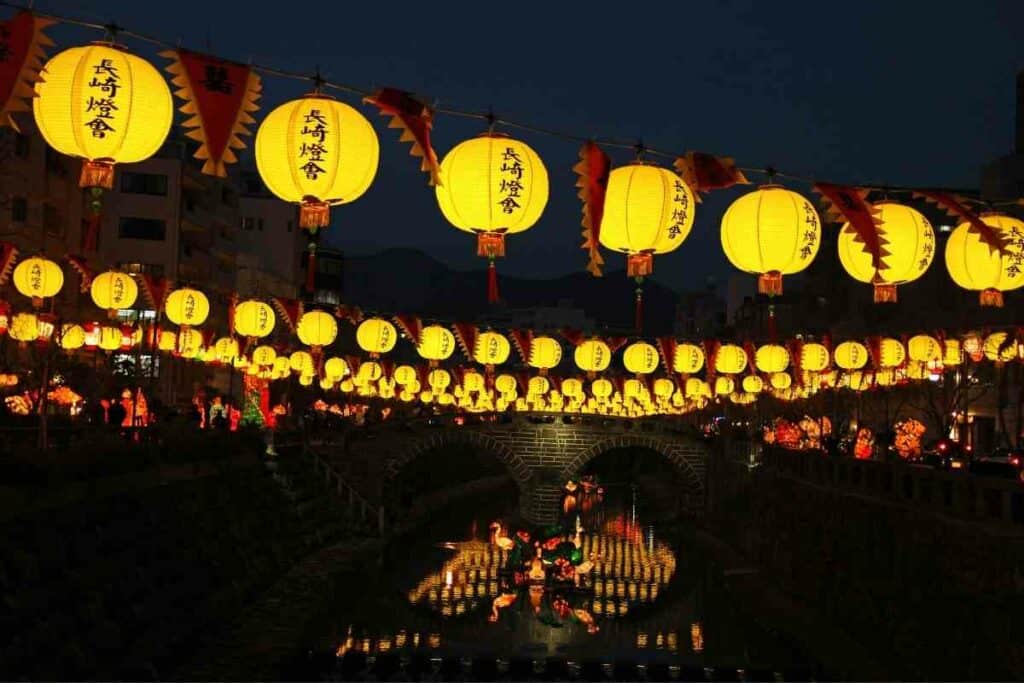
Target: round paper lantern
(104, 105)
(814, 357)
(165, 341)
(997, 349)
(369, 371)
(225, 349)
(505, 383)
(545, 353)
(648, 210)
(316, 152)
(306, 380)
(492, 186)
(601, 389)
(439, 380)
(38, 278)
(491, 349)
(924, 349)
(376, 336)
(752, 384)
(264, 355)
(24, 327)
(592, 356)
(724, 385)
(436, 343)
(891, 353)
(952, 353)
(188, 343)
(851, 355)
(335, 368)
(317, 329)
(538, 385)
(771, 232)
(771, 358)
(404, 375)
(976, 261)
(300, 362)
(187, 307)
(780, 380)
(640, 358)
(112, 291)
(730, 359)
(664, 388)
(572, 387)
(72, 336)
(908, 241)
(326, 383)
(688, 359)
(254, 319)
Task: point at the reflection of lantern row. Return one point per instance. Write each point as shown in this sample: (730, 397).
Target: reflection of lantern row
(385, 643)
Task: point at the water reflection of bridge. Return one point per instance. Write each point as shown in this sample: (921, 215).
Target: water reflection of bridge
(539, 452)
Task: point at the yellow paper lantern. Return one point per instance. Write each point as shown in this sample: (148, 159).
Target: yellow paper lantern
(601, 389)
(24, 327)
(996, 348)
(771, 232)
(891, 353)
(572, 387)
(924, 348)
(110, 338)
(376, 336)
(752, 384)
(952, 353)
(975, 263)
(225, 350)
(771, 358)
(436, 343)
(326, 383)
(506, 384)
(724, 385)
(72, 336)
(851, 355)
(908, 243)
(306, 380)
(189, 343)
(492, 348)
(38, 278)
(492, 186)
(187, 307)
(254, 319)
(439, 380)
(688, 359)
(592, 356)
(780, 380)
(369, 371)
(112, 291)
(544, 353)
(814, 357)
(264, 355)
(316, 152)
(300, 362)
(648, 210)
(104, 105)
(404, 375)
(166, 341)
(640, 358)
(664, 387)
(317, 329)
(538, 385)
(730, 359)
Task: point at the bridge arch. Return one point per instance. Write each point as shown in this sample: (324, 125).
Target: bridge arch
(514, 463)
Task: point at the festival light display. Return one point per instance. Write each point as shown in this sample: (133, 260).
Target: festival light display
(987, 256)
(38, 278)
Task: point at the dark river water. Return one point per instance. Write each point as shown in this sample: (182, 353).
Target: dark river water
(652, 596)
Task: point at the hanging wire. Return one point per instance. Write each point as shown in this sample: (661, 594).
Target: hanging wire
(114, 29)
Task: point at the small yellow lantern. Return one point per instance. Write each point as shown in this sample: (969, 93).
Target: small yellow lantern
(225, 350)
(505, 384)
(752, 384)
(814, 357)
(24, 328)
(601, 389)
(544, 353)
(975, 263)
(923, 348)
(38, 278)
(376, 336)
(165, 341)
(254, 319)
(301, 362)
(112, 291)
(771, 358)
(187, 307)
(851, 355)
(492, 348)
(404, 375)
(335, 368)
(317, 329)
(72, 336)
(771, 232)
(439, 380)
(688, 359)
(264, 356)
(592, 356)
(997, 349)
(952, 353)
(640, 358)
(730, 360)
(891, 353)
(436, 344)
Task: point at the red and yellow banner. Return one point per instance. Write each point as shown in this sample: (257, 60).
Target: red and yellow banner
(22, 51)
(956, 208)
(593, 169)
(705, 172)
(415, 119)
(220, 97)
(850, 204)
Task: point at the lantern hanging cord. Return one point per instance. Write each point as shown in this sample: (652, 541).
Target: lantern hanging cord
(467, 114)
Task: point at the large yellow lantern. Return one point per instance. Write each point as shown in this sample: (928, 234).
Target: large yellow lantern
(592, 356)
(648, 210)
(187, 307)
(640, 358)
(814, 357)
(730, 359)
(38, 278)
(492, 348)
(688, 359)
(907, 243)
(104, 105)
(771, 232)
(254, 319)
(771, 358)
(492, 186)
(891, 353)
(376, 336)
(436, 343)
(316, 152)
(113, 290)
(851, 355)
(317, 329)
(976, 263)
(923, 348)
(545, 353)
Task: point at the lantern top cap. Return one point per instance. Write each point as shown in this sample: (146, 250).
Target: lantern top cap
(318, 95)
(771, 186)
(493, 134)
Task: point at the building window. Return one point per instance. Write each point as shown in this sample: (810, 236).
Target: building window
(142, 229)
(144, 183)
(251, 223)
(154, 269)
(51, 220)
(326, 296)
(19, 209)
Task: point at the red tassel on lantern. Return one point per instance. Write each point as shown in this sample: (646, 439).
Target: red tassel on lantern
(640, 265)
(991, 297)
(97, 173)
(491, 245)
(492, 283)
(770, 283)
(885, 293)
(314, 214)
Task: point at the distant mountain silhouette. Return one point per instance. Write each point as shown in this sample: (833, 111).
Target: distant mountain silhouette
(407, 280)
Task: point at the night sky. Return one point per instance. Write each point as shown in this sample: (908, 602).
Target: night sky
(907, 93)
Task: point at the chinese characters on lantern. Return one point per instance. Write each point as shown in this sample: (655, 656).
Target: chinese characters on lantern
(680, 211)
(216, 79)
(511, 184)
(928, 248)
(102, 103)
(35, 277)
(1015, 254)
(312, 149)
(810, 236)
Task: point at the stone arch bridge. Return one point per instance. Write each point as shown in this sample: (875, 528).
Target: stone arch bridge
(540, 452)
